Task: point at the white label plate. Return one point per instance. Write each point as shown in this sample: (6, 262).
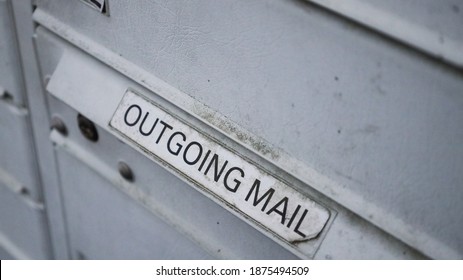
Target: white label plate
(245, 188)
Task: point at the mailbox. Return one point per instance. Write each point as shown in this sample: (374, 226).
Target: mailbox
(248, 129)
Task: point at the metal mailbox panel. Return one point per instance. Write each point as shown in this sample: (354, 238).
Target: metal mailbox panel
(104, 223)
(65, 83)
(213, 225)
(23, 226)
(17, 156)
(382, 121)
(77, 80)
(10, 71)
(16, 153)
(107, 220)
(23, 231)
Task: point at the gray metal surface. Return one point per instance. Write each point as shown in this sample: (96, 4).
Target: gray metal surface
(77, 81)
(4, 255)
(23, 231)
(442, 17)
(16, 153)
(431, 27)
(355, 104)
(10, 69)
(23, 225)
(105, 213)
(40, 122)
(115, 228)
(381, 121)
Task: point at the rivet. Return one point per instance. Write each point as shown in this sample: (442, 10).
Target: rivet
(87, 128)
(57, 124)
(125, 171)
(24, 191)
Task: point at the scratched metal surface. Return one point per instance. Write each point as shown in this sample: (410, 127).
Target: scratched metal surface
(378, 118)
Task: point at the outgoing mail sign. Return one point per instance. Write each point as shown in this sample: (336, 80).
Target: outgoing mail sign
(245, 188)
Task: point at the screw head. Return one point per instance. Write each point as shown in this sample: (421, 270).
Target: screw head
(58, 124)
(125, 171)
(87, 128)
(46, 80)
(24, 191)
